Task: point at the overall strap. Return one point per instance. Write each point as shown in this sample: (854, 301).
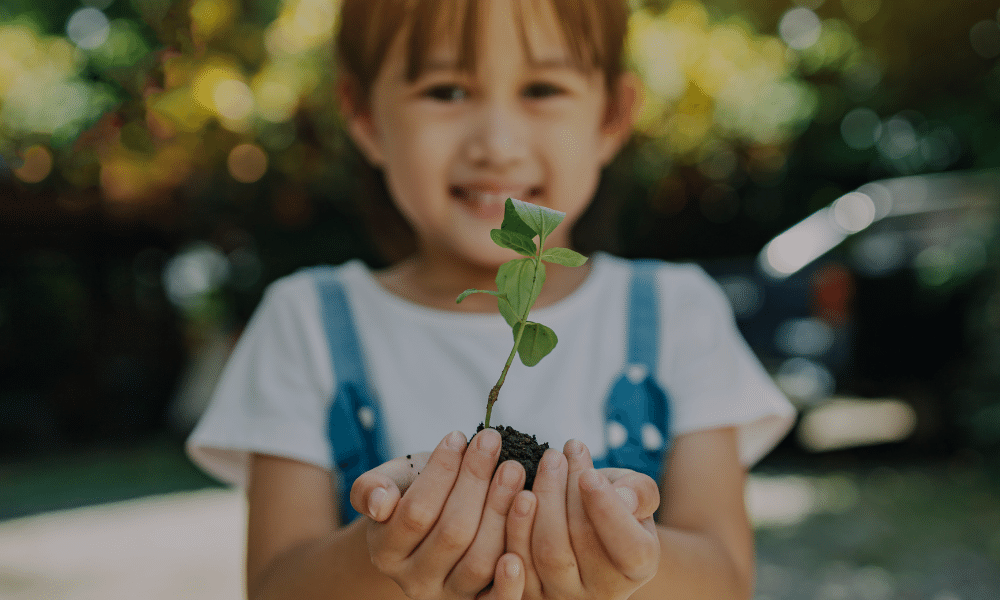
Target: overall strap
(354, 425)
(637, 412)
(643, 320)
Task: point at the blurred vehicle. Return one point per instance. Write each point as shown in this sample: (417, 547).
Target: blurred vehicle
(862, 310)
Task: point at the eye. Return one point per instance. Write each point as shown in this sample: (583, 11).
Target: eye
(542, 90)
(446, 93)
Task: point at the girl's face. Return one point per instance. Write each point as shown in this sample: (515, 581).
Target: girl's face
(454, 145)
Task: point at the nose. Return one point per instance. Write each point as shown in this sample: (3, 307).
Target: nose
(498, 138)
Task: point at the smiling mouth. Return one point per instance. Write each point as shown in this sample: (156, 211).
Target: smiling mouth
(490, 204)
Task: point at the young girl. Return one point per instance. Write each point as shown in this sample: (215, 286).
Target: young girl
(460, 104)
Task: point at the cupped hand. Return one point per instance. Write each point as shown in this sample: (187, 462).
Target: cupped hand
(582, 532)
(441, 535)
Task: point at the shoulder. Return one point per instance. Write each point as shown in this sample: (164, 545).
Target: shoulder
(298, 289)
(675, 282)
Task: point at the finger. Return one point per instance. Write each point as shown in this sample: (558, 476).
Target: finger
(551, 549)
(475, 569)
(639, 492)
(520, 521)
(454, 532)
(376, 492)
(419, 508)
(584, 539)
(631, 546)
(508, 579)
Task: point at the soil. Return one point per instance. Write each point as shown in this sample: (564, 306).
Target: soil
(521, 447)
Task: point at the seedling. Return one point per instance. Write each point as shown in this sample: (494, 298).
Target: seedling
(519, 281)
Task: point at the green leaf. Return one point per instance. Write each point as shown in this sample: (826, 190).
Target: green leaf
(512, 222)
(507, 311)
(520, 282)
(564, 256)
(542, 220)
(517, 242)
(536, 342)
(471, 291)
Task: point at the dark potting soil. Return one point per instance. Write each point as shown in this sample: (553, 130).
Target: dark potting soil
(521, 447)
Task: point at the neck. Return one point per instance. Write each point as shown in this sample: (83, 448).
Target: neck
(436, 281)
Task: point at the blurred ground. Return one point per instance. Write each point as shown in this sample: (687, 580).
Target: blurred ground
(904, 532)
(182, 545)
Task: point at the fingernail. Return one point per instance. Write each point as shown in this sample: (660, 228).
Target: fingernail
(628, 497)
(592, 480)
(508, 476)
(550, 460)
(522, 504)
(574, 447)
(513, 569)
(455, 440)
(488, 441)
(376, 501)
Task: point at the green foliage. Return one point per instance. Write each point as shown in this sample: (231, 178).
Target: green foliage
(519, 281)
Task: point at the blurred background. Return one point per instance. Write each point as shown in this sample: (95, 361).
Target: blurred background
(833, 163)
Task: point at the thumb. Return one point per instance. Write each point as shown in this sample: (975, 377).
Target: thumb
(639, 492)
(376, 492)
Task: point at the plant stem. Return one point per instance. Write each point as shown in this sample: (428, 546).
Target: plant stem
(495, 392)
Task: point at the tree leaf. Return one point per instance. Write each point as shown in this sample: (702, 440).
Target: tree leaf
(520, 282)
(472, 291)
(564, 256)
(517, 242)
(536, 342)
(541, 219)
(512, 222)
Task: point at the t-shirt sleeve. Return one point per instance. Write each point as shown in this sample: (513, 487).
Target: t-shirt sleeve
(273, 393)
(713, 377)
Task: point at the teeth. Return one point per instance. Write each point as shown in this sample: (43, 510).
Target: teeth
(487, 199)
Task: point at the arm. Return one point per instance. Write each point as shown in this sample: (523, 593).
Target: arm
(707, 548)
(582, 538)
(294, 548)
(443, 538)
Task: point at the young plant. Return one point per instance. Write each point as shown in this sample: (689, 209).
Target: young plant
(519, 281)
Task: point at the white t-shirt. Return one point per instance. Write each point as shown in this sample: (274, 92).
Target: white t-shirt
(432, 370)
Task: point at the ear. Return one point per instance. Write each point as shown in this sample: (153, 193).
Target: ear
(620, 115)
(358, 118)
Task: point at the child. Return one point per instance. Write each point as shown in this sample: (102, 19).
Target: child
(460, 104)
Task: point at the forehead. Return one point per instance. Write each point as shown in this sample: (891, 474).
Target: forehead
(464, 32)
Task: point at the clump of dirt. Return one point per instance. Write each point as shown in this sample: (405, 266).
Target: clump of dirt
(521, 447)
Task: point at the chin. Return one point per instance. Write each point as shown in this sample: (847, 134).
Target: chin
(488, 258)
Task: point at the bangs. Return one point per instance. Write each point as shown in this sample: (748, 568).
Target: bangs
(592, 30)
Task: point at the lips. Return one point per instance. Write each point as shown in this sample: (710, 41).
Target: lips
(487, 201)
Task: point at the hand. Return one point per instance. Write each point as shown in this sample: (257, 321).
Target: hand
(584, 533)
(441, 535)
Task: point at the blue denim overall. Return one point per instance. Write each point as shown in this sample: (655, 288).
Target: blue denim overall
(637, 418)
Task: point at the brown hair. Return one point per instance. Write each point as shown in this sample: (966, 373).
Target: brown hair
(593, 29)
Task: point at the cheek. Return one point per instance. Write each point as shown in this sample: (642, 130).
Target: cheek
(420, 149)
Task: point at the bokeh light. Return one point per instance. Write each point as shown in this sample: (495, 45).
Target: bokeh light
(88, 28)
(124, 47)
(800, 28)
(194, 273)
(804, 380)
(807, 336)
(898, 139)
(232, 99)
(985, 38)
(854, 211)
(36, 166)
(861, 11)
(845, 423)
(247, 163)
(861, 128)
